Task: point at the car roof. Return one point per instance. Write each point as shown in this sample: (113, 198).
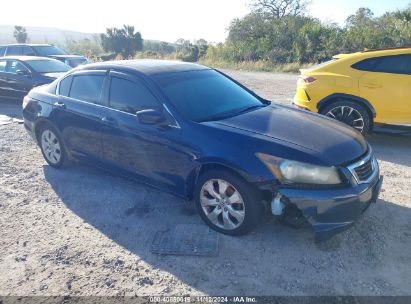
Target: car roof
(388, 49)
(28, 44)
(27, 58)
(147, 66)
(376, 53)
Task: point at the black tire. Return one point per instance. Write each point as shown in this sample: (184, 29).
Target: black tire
(251, 197)
(334, 109)
(63, 155)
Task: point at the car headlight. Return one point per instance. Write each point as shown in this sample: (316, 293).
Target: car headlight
(290, 171)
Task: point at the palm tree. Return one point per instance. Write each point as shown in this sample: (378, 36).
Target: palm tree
(20, 34)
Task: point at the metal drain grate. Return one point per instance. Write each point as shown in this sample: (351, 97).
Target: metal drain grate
(186, 239)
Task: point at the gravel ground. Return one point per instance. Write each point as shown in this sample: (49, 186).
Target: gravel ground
(81, 231)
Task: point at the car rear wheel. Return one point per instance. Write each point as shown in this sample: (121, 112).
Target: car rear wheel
(52, 147)
(227, 203)
(349, 113)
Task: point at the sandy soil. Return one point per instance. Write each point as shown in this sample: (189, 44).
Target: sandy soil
(81, 231)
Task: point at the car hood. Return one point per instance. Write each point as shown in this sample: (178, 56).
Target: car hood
(68, 56)
(53, 75)
(325, 139)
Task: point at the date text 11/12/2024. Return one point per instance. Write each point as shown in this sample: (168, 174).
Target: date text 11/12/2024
(202, 299)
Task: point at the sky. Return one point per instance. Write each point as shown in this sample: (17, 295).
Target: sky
(165, 20)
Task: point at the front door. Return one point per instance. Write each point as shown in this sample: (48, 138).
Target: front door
(388, 88)
(16, 80)
(152, 153)
(3, 83)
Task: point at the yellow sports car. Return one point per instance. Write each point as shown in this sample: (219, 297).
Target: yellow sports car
(360, 89)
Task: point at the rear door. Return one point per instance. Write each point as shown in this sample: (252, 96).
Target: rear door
(387, 85)
(78, 113)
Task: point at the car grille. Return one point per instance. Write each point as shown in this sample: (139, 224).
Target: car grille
(364, 171)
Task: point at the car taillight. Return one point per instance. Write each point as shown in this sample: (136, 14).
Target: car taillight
(308, 79)
(26, 101)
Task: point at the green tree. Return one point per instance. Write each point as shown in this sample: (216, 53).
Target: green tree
(276, 9)
(124, 41)
(20, 34)
(86, 47)
(191, 51)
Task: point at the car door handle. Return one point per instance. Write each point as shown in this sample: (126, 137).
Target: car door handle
(60, 104)
(109, 120)
(372, 85)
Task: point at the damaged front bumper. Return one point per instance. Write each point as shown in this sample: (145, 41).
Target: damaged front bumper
(332, 211)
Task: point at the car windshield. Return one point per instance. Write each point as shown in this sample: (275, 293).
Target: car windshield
(48, 66)
(206, 95)
(47, 50)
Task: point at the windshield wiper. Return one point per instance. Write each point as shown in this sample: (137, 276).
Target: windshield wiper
(250, 108)
(230, 114)
(216, 117)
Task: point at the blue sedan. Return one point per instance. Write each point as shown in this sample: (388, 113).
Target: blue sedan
(199, 134)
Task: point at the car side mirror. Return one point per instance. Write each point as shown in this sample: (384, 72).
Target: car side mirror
(23, 73)
(150, 117)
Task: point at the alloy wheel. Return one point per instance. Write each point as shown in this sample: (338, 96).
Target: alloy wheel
(347, 115)
(50, 146)
(222, 204)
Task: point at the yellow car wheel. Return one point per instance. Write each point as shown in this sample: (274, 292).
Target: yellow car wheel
(349, 113)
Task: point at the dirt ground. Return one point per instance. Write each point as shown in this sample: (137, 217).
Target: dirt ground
(82, 231)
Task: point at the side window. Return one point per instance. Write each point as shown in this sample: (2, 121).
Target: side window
(2, 50)
(15, 66)
(14, 50)
(87, 87)
(366, 65)
(28, 51)
(398, 64)
(130, 96)
(64, 86)
(3, 64)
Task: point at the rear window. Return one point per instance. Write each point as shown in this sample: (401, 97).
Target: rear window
(2, 50)
(87, 87)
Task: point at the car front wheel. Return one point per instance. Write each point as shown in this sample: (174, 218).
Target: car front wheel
(227, 203)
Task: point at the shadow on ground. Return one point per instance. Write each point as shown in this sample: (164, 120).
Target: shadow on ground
(392, 148)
